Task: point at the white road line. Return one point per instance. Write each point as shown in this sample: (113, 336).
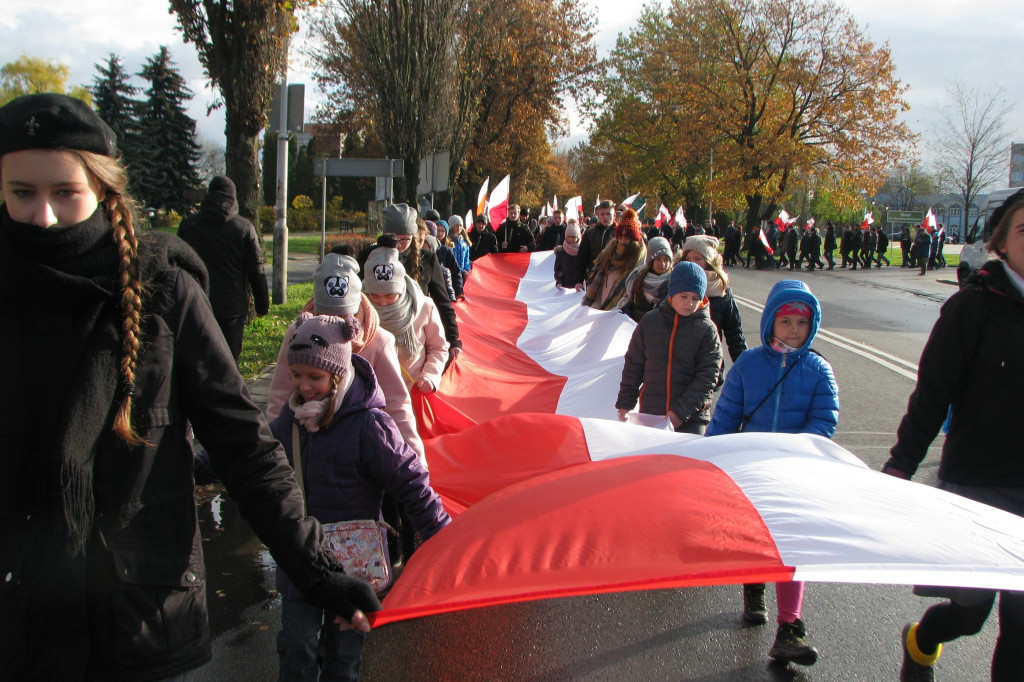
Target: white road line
(880, 357)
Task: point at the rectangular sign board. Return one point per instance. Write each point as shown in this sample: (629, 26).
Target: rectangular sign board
(359, 168)
(905, 216)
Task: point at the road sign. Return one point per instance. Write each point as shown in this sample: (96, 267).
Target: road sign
(434, 173)
(359, 168)
(904, 216)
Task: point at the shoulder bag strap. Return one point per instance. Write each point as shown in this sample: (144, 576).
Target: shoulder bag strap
(297, 461)
(747, 417)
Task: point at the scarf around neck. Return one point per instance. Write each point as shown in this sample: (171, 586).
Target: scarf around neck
(398, 319)
(71, 340)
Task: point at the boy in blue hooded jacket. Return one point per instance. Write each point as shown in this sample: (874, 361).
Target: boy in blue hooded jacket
(782, 386)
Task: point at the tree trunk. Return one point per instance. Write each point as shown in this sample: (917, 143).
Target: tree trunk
(241, 160)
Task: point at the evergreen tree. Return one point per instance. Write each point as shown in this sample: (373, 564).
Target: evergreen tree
(168, 137)
(114, 100)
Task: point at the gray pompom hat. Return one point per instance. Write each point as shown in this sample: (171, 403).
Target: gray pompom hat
(323, 341)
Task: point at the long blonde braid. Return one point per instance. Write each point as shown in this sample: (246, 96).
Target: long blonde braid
(119, 208)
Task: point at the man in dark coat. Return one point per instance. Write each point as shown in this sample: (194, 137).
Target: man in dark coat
(594, 239)
(514, 236)
(231, 250)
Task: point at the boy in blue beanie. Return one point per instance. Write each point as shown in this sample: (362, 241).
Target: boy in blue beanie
(781, 386)
(675, 355)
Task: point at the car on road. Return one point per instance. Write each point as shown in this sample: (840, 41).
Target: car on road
(974, 253)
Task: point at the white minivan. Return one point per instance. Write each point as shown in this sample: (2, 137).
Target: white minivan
(974, 254)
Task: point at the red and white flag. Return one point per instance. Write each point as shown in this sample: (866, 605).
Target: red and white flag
(663, 215)
(550, 501)
(481, 198)
(628, 201)
(868, 220)
(554, 204)
(764, 241)
(782, 221)
(929, 221)
(572, 209)
(680, 218)
(497, 205)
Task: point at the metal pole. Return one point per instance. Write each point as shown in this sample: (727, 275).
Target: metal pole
(280, 287)
(323, 217)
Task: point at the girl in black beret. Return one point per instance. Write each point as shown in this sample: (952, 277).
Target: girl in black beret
(111, 351)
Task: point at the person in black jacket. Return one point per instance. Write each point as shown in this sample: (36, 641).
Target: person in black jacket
(484, 240)
(830, 245)
(595, 238)
(514, 236)
(99, 542)
(231, 251)
(970, 372)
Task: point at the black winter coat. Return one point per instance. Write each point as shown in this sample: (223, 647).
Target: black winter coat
(484, 242)
(691, 371)
(133, 608)
(594, 239)
(972, 362)
(516, 235)
(231, 251)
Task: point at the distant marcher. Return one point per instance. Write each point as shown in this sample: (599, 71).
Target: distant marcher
(830, 245)
(845, 247)
(595, 239)
(906, 241)
(791, 243)
(484, 241)
(513, 235)
(882, 248)
(554, 233)
(607, 283)
(856, 243)
(867, 249)
(233, 255)
(812, 249)
(566, 253)
(922, 248)
(461, 245)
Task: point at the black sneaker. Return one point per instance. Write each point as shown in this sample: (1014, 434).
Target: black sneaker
(791, 645)
(754, 610)
(912, 671)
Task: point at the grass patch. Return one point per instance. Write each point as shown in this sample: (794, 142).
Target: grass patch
(262, 338)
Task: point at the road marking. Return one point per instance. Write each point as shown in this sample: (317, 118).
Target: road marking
(880, 357)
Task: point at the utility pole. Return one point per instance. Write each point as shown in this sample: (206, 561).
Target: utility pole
(280, 285)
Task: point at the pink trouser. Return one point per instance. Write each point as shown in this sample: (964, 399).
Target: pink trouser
(790, 597)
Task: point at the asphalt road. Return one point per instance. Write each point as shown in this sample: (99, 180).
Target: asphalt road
(874, 326)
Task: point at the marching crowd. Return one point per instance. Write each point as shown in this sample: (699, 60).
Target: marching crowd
(122, 358)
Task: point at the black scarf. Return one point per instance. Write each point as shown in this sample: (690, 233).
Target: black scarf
(68, 349)
(63, 385)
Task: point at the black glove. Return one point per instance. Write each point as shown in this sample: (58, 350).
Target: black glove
(342, 594)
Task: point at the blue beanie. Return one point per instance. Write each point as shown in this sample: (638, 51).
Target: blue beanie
(687, 276)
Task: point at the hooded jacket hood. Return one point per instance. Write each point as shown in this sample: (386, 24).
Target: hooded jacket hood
(783, 292)
(220, 204)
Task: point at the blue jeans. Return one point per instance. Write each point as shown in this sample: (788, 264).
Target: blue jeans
(304, 630)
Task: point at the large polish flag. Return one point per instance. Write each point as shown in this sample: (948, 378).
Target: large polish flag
(553, 497)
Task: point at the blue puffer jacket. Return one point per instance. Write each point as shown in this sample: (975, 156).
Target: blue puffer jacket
(348, 465)
(807, 401)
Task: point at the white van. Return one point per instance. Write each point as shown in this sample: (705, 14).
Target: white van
(974, 254)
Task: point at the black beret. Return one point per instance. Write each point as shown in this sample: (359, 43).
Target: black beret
(53, 121)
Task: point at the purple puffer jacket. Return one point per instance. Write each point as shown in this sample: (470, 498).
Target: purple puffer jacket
(348, 465)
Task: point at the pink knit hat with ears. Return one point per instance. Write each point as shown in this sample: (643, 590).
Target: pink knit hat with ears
(323, 341)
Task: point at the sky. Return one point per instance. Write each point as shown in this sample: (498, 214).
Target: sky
(980, 42)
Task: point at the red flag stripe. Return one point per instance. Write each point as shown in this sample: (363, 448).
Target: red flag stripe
(625, 524)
